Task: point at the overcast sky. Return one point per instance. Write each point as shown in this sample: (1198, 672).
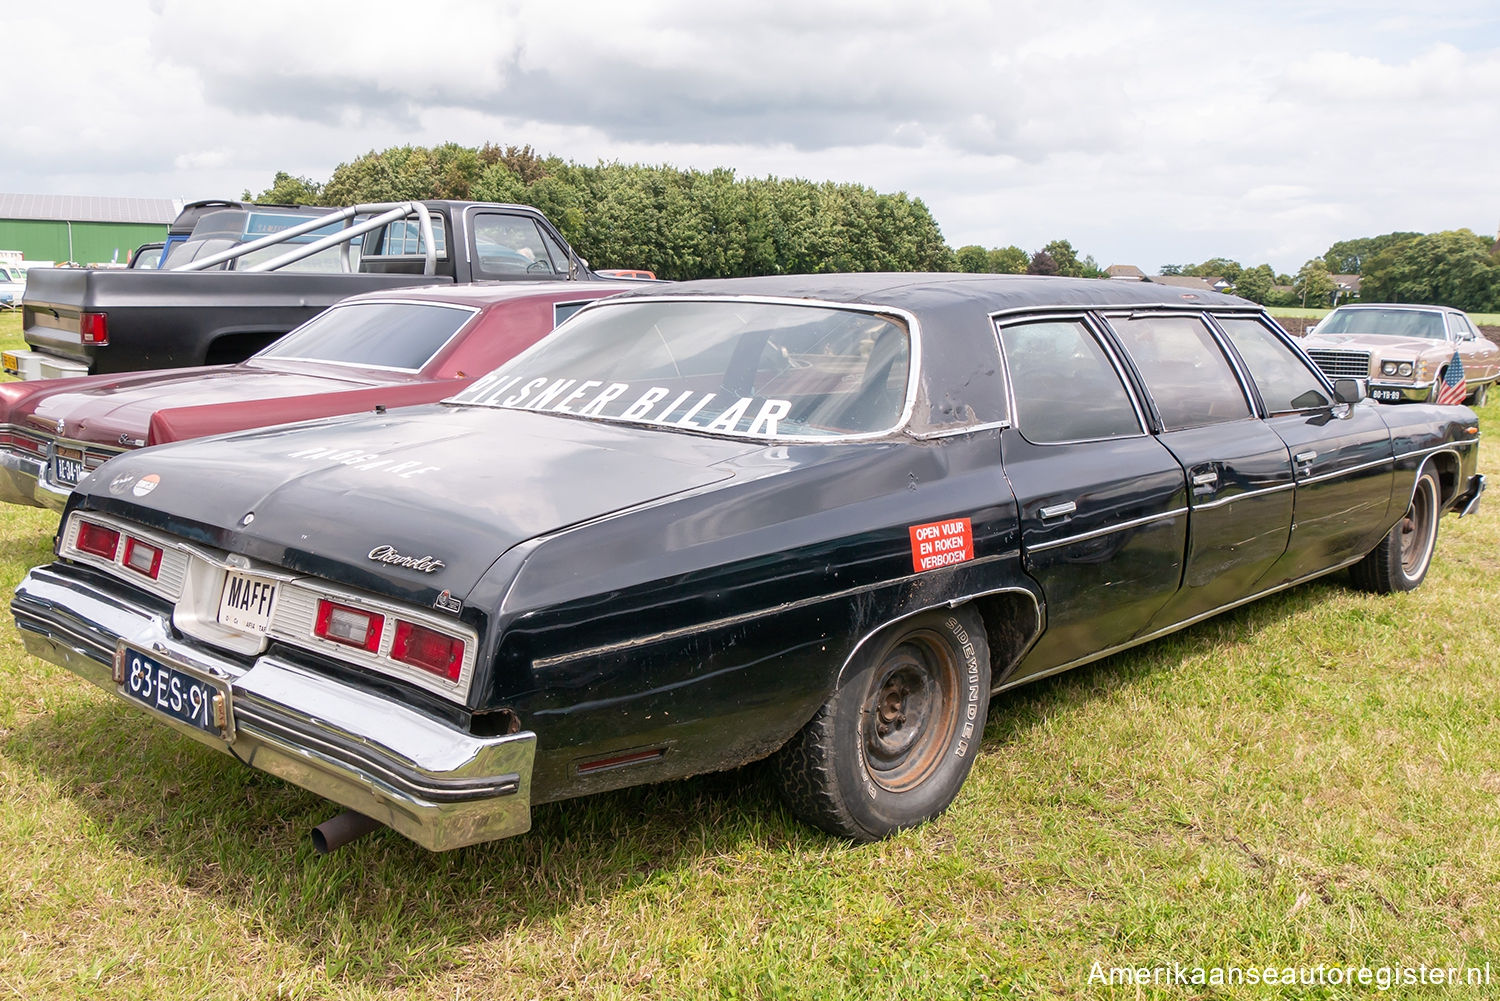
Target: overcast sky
(1146, 134)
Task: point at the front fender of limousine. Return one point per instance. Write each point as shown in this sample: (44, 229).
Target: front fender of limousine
(818, 519)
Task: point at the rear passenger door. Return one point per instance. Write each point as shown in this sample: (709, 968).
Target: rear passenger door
(1238, 470)
(1103, 505)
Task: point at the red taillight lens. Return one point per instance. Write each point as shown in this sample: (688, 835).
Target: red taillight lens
(349, 626)
(98, 540)
(22, 442)
(93, 328)
(428, 649)
(142, 558)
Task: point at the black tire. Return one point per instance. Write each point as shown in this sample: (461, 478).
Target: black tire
(1401, 560)
(894, 742)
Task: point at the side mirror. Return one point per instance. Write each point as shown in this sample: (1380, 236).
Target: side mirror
(1349, 390)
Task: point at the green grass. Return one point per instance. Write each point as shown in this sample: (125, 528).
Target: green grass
(1312, 779)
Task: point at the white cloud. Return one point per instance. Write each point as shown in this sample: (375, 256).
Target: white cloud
(1148, 135)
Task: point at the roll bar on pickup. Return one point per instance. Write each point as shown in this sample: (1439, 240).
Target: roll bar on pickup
(379, 214)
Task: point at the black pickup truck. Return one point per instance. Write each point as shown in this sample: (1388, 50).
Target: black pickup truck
(228, 290)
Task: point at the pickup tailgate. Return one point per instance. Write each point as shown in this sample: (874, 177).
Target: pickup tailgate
(49, 313)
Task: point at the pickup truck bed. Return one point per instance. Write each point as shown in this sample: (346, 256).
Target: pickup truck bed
(81, 321)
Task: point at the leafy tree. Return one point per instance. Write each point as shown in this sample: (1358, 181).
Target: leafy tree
(1065, 258)
(1171, 269)
(1452, 268)
(680, 224)
(1314, 285)
(1010, 260)
(973, 259)
(288, 190)
(1042, 263)
(1347, 257)
(1215, 267)
(1255, 283)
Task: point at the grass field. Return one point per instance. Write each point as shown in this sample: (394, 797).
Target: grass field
(1312, 779)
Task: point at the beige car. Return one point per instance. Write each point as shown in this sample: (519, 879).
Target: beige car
(1403, 350)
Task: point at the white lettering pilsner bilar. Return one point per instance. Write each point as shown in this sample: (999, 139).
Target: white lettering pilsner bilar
(592, 398)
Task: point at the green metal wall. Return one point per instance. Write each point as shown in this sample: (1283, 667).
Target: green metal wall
(91, 242)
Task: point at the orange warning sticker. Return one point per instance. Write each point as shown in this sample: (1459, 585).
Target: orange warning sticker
(941, 544)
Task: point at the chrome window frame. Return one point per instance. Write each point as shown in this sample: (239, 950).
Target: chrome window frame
(1089, 321)
(913, 375)
(473, 312)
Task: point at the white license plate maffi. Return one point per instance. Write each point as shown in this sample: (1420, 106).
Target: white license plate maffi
(247, 602)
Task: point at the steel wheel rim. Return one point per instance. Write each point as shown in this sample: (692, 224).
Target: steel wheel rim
(911, 713)
(1417, 529)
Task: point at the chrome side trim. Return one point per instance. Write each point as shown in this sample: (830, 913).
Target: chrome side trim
(743, 617)
(1137, 641)
(1223, 501)
(1347, 471)
(948, 603)
(955, 432)
(1109, 530)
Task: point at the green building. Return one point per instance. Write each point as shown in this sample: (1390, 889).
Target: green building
(81, 229)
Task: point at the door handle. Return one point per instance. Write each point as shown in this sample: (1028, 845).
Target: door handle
(1058, 510)
(1207, 479)
(1306, 456)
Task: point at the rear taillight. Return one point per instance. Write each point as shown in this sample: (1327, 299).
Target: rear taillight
(428, 649)
(93, 328)
(141, 557)
(98, 540)
(22, 442)
(349, 626)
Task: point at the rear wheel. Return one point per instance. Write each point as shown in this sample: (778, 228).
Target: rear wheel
(895, 741)
(1401, 560)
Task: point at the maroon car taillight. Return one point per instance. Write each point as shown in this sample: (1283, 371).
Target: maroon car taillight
(141, 557)
(428, 649)
(349, 626)
(93, 328)
(98, 540)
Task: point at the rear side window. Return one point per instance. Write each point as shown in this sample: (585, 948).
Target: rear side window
(1065, 387)
(1188, 375)
(1284, 380)
(398, 335)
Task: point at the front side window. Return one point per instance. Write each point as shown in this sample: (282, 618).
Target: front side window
(1284, 381)
(1064, 385)
(511, 245)
(1188, 376)
(397, 335)
(729, 367)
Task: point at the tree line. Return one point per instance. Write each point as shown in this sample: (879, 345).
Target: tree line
(680, 224)
(685, 224)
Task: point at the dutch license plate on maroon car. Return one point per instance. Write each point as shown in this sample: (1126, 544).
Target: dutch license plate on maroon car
(174, 692)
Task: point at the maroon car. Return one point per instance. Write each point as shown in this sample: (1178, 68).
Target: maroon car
(383, 349)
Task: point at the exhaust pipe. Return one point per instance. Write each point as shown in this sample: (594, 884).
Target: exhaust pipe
(336, 832)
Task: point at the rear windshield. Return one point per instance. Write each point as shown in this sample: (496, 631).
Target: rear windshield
(1394, 322)
(729, 367)
(399, 335)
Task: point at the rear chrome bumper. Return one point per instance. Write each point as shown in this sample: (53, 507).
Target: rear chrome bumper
(438, 785)
(23, 480)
